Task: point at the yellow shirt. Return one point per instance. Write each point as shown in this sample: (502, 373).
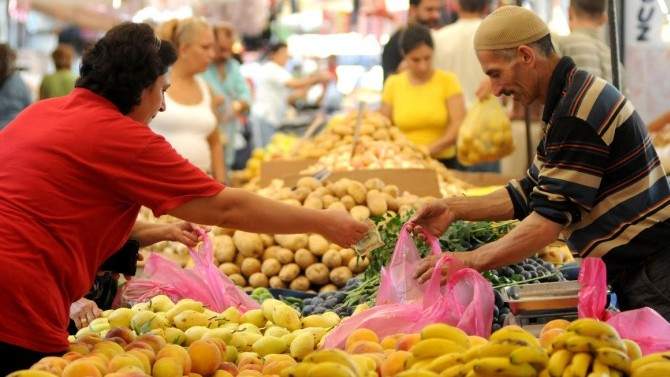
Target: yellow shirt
(420, 111)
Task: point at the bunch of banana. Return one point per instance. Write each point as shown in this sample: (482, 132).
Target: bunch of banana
(441, 347)
(654, 365)
(510, 352)
(331, 363)
(590, 348)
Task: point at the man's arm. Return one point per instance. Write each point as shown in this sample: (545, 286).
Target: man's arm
(496, 206)
(241, 209)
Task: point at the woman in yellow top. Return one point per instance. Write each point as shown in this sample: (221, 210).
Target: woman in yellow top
(425, 103)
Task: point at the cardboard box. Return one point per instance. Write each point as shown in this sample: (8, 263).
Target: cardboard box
(421, 182)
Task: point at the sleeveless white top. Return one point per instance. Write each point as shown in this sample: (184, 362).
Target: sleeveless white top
(186, 127)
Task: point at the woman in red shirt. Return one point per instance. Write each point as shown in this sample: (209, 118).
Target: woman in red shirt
(75, 171)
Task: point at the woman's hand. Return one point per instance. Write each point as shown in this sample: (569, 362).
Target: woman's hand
(83, 312)
(342, 229)
(183, 232)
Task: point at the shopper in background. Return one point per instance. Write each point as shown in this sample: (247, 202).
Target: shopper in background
(584, 45)
(425, 103)
(14, 94)
(424, 12)
(596, 179)
(76, 170)
(275, 90)
(190, 120)
(454, 49)
(61, 82)
(224, 76)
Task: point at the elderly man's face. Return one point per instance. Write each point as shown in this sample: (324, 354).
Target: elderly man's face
(512, 74)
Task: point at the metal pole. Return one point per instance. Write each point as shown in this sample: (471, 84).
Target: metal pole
(612, 15)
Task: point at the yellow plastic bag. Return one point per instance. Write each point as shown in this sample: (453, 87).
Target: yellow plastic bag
(485, 134)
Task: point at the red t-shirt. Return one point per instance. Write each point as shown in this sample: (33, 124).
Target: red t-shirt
(73, 174)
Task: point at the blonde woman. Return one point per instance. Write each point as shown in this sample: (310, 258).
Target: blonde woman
(189, 122)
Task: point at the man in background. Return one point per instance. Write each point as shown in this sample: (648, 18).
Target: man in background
(61, 82)
(425, 12)
(584, 45)
(454, 48)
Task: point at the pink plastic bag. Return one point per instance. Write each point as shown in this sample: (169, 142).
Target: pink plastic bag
(204, 283)
(466, 301)
(644, 326)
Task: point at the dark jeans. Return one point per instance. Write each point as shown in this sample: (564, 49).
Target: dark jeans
(13, 358)
(646, 283)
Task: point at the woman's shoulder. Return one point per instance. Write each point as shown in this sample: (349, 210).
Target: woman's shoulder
(443, 75)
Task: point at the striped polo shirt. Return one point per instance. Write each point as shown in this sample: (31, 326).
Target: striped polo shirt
(596, 171)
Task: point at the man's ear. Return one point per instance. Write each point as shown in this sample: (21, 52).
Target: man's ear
(526, 54)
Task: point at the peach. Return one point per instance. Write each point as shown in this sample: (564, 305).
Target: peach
(125, 360)
(120, 332)
(81, 348)
(250, 373)
(72, 356)
(177, 352)
(391, 342)
(275, 367)
(167, 367)
(193, 374)
(408, 341)
(142, 347)
(222, 373)
(361, 334)
(81, 368)
(364, 346)
(155, 341)
(108, 348)
(143, 358)
(219, 343)
(51, 364)
(205, 357)
(548, 336)
(229, 367)
(100, 361)
(555, 324)
(394, 363)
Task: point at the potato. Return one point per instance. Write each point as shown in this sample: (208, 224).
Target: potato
(310, 183)
(250, 266)
(328, 288)
(348, 202)
(357, 191)
(340, 275)
(284, 256)
(270, 267)
(238, 280)
(360, 213)
(304, 258)
(267, 239)
(224, 249)
(332, 259)
(258, 280)
(317, 244)
(292, 241)
(391, 190)
(239, 258)
(339, 188)
(328, 200)
(321, 192)
(300, 193)
(300, 283)
(248, 244)
(317, 273)
(276, 282)
(374, 184)
(313, 202)
(337, 206)
(391, 202)
(289, 272)
(357, 265)
(376, 203)
(229, 268)
(271, 252)
(292, 202)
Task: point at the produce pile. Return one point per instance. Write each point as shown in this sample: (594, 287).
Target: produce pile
(380, 146)
(160, 338)
(301, 262)
(281, 146)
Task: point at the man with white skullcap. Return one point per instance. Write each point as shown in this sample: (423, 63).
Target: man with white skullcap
(596, 179)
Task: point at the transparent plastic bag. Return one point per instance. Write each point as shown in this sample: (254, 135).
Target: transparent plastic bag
(485, 134)
(644, 326)
(466, 301)
(204, 283)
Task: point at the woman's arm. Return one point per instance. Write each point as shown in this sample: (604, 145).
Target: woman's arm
(456, 109)
(218, 160)
(240, 209)
(386, 110)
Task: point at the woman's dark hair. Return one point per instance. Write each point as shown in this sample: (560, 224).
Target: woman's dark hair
(413, 36)
(274, 47)
(127, 60)
(7, 61)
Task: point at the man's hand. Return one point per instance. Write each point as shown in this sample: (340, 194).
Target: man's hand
(434, 218)
(342, 229)
(83, 312)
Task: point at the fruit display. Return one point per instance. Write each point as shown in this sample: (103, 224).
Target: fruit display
(485, 134)
(281, 146)
(529, 270)
(557, 253)
(164, 339)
